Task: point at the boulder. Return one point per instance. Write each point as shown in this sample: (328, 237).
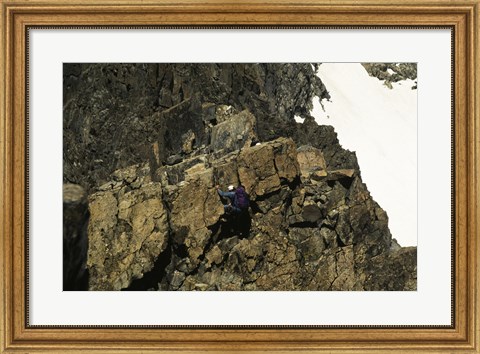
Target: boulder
(128, 230)
(262, 168)
(256, 169)
(233, 132)
(312, 213)
(310, 160)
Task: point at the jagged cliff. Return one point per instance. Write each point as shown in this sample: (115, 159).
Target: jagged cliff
(149, 142)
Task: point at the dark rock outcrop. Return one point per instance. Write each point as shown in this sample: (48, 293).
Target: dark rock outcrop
(150, 142)
(113, 113)
(393, 270)
(392, 72)
(75, 237)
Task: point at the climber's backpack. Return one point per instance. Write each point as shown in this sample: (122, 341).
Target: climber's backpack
(241, 198)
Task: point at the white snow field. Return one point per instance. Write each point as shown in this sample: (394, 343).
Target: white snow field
(380, 125)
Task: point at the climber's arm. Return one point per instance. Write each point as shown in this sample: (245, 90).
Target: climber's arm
(226, 194)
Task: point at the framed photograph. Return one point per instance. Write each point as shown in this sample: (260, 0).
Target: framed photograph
(239, 177)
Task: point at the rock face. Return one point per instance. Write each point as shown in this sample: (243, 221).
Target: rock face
(151, 169)
(128, 229)
(113, 113)
(308, 228)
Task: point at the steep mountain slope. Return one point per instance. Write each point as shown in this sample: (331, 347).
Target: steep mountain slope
(149, 143)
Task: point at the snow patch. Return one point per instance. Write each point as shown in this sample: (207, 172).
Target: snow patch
(380, 125)
(298, 119)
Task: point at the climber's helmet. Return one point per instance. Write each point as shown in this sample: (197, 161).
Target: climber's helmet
(231, 188)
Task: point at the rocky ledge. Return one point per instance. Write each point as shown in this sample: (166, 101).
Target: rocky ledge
(160, 225)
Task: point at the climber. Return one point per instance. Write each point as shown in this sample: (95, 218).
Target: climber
(238, 199)
(239, 221)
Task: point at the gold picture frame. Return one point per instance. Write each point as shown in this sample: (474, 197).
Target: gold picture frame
(463, 336)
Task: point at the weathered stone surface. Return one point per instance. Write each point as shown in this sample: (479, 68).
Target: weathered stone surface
(311, 213)
(225, 171)
(262, 167)
(322, 137)
(195, 207)
(339, 174)
(393, 271)
(234, 132)
(286, 162)
(310, 160)
(188, 141)
(128, 230)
